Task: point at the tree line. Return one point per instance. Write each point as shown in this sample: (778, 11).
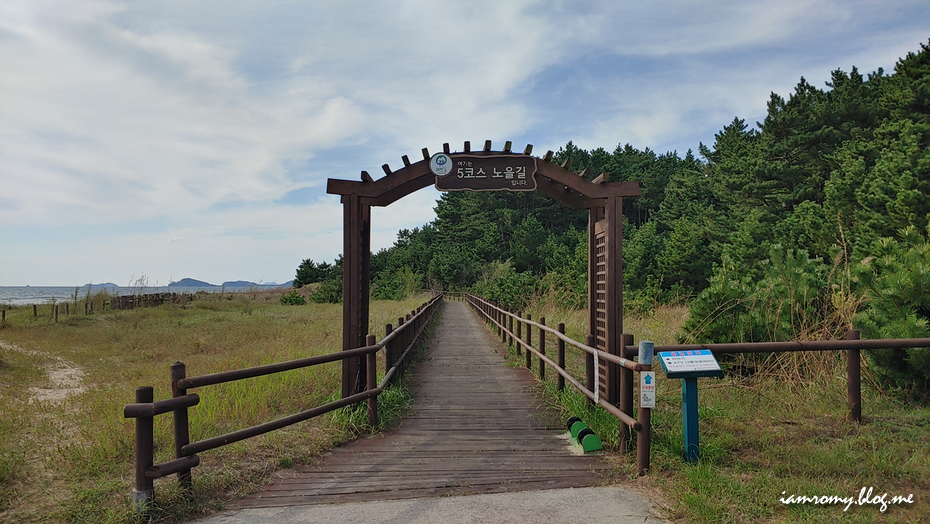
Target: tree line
(812, 220)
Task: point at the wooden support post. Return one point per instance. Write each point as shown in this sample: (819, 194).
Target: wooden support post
(560, 380)
(181, 425)
(590, 367)
(542, 349)
(529, 343)
(389, 352)
(55, 312)
(519, 332)
(372, 382)
(644, 440)
(510, 329)
(143, 493)
(626, 394)
(613, 213)
(356, 267)
(401, 347)
(853, 379)
(501, 328)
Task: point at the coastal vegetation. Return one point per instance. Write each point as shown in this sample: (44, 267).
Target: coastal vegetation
(811, 222)
(66, 452)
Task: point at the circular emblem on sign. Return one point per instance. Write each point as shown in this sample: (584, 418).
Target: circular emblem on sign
(440, 164)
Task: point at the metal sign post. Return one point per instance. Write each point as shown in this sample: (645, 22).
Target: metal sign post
(689, 366)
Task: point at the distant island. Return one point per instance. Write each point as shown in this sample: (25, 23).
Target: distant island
(190, 282)
(100, 286)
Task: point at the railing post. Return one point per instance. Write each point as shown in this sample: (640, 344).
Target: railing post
(502, 322)
(372, 382)
(402, 365)
(643, 442)
(144, 491)
(542, 349)
(589, 367)
(510, 330)
(519, 332)
(853, 379)
(389, 351)
(626, 393)
(560, 380)
(181, 425)
(408, 338)
(529, 343)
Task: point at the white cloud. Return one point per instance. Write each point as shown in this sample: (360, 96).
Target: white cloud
(189, 120)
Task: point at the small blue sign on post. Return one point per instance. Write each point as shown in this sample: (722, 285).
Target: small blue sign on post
(689, 366)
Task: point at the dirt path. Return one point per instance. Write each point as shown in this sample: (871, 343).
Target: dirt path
(65, 378)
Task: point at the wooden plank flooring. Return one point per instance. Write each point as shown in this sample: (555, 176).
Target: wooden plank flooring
(476, 427)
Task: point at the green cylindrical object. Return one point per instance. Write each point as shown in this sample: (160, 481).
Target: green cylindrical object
(576, 429)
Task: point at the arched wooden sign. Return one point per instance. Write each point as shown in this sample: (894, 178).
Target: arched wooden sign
(488, 170)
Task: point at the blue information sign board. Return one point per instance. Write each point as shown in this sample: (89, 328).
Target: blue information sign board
(689, 365)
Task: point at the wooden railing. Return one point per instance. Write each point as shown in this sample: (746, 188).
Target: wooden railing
(510, 328)
(853, 347)
(397, 344)
(517, 331)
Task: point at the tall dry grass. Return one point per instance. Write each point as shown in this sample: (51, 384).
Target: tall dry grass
(71, 459)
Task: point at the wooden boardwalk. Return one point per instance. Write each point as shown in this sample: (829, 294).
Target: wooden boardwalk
(476, 427)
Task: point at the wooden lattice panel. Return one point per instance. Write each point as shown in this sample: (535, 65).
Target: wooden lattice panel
(600, 274)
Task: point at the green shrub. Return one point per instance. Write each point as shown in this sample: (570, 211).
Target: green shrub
(501, 284)
(397, 285)
(792, 301)
(329, 292)
(293, 299)
(897, 282)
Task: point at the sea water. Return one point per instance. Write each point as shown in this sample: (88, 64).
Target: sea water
(25, 295)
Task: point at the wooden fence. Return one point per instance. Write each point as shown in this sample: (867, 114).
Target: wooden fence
(515, 330)
(397, 344)
(510, 327)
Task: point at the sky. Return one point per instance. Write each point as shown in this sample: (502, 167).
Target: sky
(173, 139)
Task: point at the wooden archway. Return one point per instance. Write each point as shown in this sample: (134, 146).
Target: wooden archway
(602, 198)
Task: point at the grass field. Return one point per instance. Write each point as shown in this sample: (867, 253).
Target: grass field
(66, 452)
(779, 432)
